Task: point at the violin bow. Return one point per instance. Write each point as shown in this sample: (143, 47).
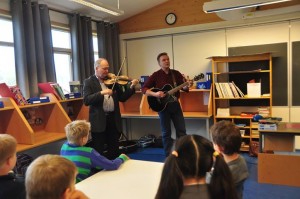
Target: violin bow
(117, 77)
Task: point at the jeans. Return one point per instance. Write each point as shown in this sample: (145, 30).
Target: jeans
(173, 113)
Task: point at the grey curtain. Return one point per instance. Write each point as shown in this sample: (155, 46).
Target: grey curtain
(33, 45)
(108, 44)
(82, 47)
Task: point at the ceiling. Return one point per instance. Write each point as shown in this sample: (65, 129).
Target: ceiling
(130, 8)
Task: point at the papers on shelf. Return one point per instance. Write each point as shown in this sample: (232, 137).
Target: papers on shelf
(253, 89)
(223, 112)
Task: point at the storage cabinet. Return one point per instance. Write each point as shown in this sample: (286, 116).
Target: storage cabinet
(232, 73)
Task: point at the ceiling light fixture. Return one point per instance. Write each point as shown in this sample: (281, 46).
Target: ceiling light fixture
(226, 5)
(100, 7)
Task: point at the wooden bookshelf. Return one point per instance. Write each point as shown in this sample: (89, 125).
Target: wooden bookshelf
(35, 124)
(240, 70)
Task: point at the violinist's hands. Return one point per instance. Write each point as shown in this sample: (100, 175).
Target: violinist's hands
(134, 82)
(159, 94)
(106, 92)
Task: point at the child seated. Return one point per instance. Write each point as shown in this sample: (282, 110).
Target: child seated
(10, 186)
(52, 177)
(185, 169)
(227, 140)
(86, 159)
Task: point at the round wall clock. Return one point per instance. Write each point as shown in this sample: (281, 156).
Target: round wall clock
(171, 18)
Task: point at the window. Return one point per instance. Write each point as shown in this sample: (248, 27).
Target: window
(95, 45)
(7, 54)
(62, 57)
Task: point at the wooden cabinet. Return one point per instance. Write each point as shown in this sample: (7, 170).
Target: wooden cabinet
(239, 109)
(195, 104)
(33, 125)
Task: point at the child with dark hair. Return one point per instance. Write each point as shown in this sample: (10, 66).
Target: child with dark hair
(185, 170)
(227, 140)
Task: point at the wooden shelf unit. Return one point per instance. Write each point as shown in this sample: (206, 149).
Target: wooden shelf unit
(38, 124)
(195, 104)
(241, 69)
(33, 125)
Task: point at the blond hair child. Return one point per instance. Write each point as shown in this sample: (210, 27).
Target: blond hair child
(10, 186)
(52, 177)
(87, 159)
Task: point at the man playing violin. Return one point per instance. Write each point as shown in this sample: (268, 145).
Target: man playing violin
(172, 111)
(104, 110)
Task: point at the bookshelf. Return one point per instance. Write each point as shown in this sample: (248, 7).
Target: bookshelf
(240, 108)
(33, 125)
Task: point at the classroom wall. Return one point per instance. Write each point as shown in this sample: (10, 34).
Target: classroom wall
(189, 48)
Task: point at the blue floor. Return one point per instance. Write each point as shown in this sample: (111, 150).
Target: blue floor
(253, 189)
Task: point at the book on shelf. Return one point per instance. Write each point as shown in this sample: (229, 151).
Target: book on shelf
(13, 92)
(238, 89)
(234, 90)
(52, 87)
(220, 94)
(228, 90)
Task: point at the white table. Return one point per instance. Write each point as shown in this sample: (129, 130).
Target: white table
(134, 179)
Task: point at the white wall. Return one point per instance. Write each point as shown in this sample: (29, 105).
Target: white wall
(190, 50)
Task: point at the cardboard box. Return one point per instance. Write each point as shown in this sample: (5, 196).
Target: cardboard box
(254, 89)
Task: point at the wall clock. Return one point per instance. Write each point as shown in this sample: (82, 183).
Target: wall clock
(171, 18)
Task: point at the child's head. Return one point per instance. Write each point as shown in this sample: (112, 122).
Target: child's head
(226, 137)
(77, 132)
(50, 177)
(8, 147)
(194, 156)
(191, 159)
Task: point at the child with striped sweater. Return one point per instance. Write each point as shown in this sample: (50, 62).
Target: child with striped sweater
(87, 160)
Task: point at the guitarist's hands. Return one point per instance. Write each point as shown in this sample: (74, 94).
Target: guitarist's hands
(159, 94)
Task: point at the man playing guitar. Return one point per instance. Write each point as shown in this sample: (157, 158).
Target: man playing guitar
(162, 89)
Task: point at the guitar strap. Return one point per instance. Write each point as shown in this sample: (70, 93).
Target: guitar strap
(173, 78)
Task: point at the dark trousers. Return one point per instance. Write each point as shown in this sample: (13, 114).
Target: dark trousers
(109, 138)
(172, 113)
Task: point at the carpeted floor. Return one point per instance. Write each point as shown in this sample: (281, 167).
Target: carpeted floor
(252, 189)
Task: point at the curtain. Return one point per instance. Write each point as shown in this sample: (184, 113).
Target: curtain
(82, 47)
(33, 45)
(108, 44)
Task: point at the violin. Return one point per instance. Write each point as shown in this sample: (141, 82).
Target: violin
(113, 79)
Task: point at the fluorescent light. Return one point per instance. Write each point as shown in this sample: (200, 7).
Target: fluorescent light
(100, 6)
(226, 5)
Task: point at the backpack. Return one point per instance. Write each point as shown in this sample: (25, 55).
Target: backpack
(23, 161)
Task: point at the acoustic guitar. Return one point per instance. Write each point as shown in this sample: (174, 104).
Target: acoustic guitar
(159, 104)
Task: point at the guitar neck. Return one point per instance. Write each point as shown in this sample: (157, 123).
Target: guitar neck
(174, 90)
